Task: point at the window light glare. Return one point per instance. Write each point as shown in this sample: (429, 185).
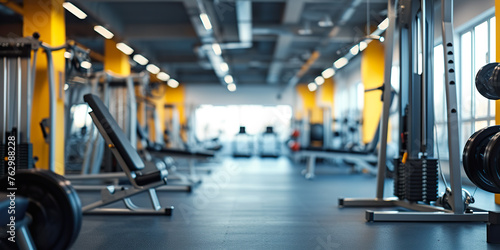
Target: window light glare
(74, 10)
(103, 32)
(124, 48)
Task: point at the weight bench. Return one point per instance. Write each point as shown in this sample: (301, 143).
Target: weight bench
(130, 162)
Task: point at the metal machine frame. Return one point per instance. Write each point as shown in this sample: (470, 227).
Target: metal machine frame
(420, 94)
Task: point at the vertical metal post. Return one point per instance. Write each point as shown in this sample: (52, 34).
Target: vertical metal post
(388, 54)
(3, 100)
(451, 107)
(132, 111)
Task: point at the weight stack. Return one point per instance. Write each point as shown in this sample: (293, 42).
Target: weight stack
(24, 156)
(421, 180)
(399, 182)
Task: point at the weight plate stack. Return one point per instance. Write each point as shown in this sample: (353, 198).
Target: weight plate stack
(399, 187)
(421, 179)
(491, 159)
(474, 159)
(24, 156)
(487, 82)
(54, 207)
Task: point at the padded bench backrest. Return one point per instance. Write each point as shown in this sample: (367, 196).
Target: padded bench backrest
(114, 132)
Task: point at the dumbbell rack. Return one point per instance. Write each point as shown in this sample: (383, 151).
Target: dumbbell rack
(421, 140)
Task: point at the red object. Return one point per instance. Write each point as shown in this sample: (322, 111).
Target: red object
(295, 134)
(295, 146)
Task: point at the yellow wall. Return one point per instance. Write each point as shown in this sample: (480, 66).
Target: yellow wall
(176, 97)
(309, 104)
(46, 18)
(497, 106)
(114, 59)
(372, 76)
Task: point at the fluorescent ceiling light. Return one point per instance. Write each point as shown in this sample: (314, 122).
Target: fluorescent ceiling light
(231, 87)
(125, 48)
(319, 80)
(327, 73)
(86, 64)
(173, 83)
(103, 32)
(228, 79)
(224, 67)
(354, 50)
(153, 69)
(140, 59)
(163, 76)
(217, 49)
(74, 10)
(384, 24)
(341, 62)
(312, 86)
(362, 45)
(206, 21)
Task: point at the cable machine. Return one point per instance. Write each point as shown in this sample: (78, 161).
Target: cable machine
(416, 168)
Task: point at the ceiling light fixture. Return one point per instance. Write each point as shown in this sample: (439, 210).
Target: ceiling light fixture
(327, 73)
(224, 67)
(103, 32)
(228, 79)
(140, 59)
(74, 10)
(362, 45)
(86, 64)
(205, 21)
(173, 83)
(216, 48)
(384, 24)
(125, 48)
(326, 21)
(312, 86)
(319, 80)
(163, 76)
(341, 62)
(354, 50)
(153, 69)
(231, 87)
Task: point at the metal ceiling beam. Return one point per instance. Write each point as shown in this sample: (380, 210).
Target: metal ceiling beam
(292, 14)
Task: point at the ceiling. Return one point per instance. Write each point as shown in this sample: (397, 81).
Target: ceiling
(263, 42)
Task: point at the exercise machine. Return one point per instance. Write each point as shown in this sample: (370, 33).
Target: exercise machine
(269, 143)
(130, 162)
(243, 144)
(38, 208)
(416, 164)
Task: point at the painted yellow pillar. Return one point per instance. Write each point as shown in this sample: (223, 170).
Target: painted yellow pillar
(372, 76)
(309, 103)
(497, 103)
(160, 113)
(114, 60)
(47, 18)
(176, 97)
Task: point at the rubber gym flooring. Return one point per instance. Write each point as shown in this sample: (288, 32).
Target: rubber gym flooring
(266, 204)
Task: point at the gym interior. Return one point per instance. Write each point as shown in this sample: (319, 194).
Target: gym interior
(249, 124)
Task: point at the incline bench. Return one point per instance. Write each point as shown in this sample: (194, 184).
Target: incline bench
(131, 163)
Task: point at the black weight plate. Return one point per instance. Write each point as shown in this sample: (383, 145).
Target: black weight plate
(473, 156)
(486, 81)
(491, 159)
(53, 205)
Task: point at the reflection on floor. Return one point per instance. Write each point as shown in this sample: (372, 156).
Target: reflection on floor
(266, 204)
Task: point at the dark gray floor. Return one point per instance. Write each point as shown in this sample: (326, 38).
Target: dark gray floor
(266, 204)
